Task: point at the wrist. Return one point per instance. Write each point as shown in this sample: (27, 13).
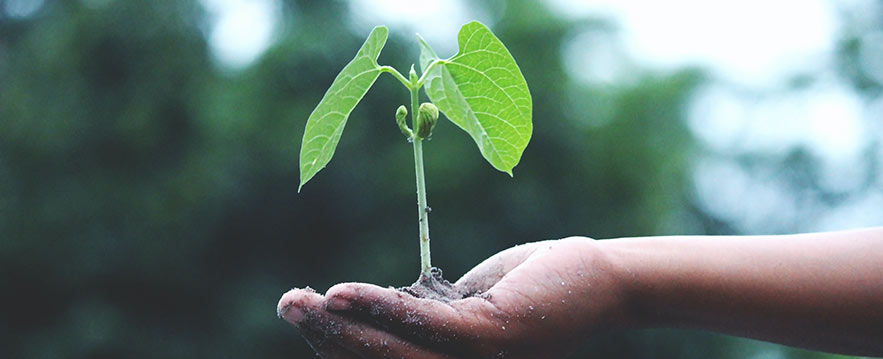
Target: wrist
(626, 260)
(612, 298)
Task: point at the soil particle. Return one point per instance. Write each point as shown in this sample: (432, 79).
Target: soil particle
(436, 287)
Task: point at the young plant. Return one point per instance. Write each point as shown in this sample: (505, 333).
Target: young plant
(480, 89)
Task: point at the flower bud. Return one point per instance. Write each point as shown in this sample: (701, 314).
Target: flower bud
(401, 113)
(427, 117)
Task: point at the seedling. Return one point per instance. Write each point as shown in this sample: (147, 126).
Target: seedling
(480, 89)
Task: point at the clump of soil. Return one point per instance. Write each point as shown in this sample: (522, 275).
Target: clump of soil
(436, 287)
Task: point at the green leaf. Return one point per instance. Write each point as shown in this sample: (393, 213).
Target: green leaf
(328, 119)
(482, 90)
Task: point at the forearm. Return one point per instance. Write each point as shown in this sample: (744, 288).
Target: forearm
(820, 291)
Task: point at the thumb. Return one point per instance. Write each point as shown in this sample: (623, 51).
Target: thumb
(487, 273)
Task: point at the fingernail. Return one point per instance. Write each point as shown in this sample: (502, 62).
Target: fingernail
(291, 313)
(337, 304)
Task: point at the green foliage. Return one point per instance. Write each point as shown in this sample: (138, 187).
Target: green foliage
(482, 90)
(327, 121)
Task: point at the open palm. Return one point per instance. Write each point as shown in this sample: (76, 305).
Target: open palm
(534, 299)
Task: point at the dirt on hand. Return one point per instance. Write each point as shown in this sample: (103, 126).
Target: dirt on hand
(436, 287)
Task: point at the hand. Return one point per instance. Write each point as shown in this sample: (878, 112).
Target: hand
(534, 300)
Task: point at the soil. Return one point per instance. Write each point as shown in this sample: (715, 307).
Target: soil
(436, 287)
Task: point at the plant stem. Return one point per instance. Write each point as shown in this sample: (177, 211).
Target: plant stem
(422, 208)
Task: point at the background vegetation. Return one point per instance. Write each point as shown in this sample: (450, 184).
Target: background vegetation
(148, 203)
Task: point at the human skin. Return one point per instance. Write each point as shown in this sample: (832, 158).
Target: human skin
(821, 291)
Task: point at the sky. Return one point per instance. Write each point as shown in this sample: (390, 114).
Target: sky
(751, 54)
(241, 30)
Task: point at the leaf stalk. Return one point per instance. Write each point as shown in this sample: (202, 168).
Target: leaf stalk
(395, 73)
(428, 69)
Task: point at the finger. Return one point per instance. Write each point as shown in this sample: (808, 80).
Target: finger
(299, 307)
(325, 348)
(487, 273)
(334, 336)
(370, 342)
(425, 321)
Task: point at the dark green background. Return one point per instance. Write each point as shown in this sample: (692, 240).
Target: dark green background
(149, 205)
